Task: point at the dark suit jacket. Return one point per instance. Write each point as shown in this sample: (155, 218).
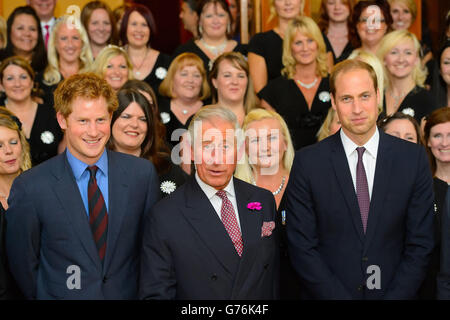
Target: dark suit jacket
(327, 244)
(443, 280)
(187, 253)
(48, 230)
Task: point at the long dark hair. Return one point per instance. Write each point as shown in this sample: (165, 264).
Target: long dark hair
(152, 147)
(438, 86)
(39, 58)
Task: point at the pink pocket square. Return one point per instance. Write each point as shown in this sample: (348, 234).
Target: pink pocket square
(267, 228)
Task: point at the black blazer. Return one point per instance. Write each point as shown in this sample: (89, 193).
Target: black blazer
(187, 253)
(328, 247)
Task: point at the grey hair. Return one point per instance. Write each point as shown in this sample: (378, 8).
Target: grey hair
(212, 111)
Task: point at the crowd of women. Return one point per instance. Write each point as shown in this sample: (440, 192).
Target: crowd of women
(277, 86)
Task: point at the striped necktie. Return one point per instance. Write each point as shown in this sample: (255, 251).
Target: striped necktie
(98, 217)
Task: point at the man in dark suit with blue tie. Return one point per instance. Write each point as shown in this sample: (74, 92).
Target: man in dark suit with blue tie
(74, 222)
(212, 238)
(360, 203)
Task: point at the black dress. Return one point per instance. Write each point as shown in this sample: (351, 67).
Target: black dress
(287, 99)
(345, 53)
(268, 45)
(418, 103)
(191, 46)
(45, 136)
(428, 290)
(169, 119)
(171, 180)
(159, 71)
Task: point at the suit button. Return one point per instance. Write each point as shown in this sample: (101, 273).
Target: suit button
(365, 259)
(104, 279)
(266, 266)
(214, 277)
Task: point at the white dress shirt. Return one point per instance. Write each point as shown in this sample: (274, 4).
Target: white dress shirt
(369, 157)
(50, 23)
(215, 200)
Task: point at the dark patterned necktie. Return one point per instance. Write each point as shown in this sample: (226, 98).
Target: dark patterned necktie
(230, 222)
(98, 217)
(362, 188)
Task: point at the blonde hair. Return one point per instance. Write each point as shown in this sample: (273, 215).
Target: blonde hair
(410, 4)
(309, 28)
(10, 121)
(52, 75)
(324, 130)
(244, 170)
(371, 59)
(273, 10)
(419, 73)
(181, 61)
(105, 55)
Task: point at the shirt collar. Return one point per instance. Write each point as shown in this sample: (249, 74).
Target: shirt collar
(210, 191)
(371, 145)
(50, 22)
(79, 167)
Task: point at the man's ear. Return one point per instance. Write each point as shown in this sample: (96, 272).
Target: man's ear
(62, 121)
(333, 103)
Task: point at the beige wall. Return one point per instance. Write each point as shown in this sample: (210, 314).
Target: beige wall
(7, 6)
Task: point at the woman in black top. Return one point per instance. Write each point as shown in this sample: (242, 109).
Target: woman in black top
(135, 131)
(183, 93)
(38, 120)
(265, 49)
(436, 136)
(440, 87)
(25, 38)
(214, 29)
(14, 159)
(400, 53)
(334, 23)
(137, 28)
(301, 96)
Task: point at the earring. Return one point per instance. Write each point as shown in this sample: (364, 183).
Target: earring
(229, 28)
(200, 30)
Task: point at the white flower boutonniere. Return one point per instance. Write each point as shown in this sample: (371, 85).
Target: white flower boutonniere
(408, 111)
(161, 73)
(168, 187)
(47, 137)
(165, 117)
(324, 96)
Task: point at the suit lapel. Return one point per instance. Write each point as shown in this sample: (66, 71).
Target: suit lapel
(251, 222)
(67, 191)
(344, 178)
(203, 218)
(118, 196)
(380, 186)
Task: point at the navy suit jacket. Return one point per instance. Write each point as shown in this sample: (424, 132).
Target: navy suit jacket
(48, 230)
(327, 244)
(187, 253)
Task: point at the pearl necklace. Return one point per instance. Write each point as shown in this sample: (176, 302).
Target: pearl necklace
(307, 85)
(283, 180)
(216, 50)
